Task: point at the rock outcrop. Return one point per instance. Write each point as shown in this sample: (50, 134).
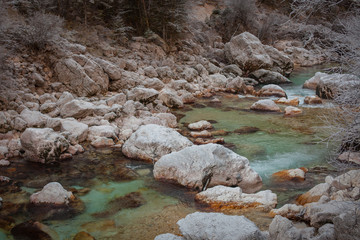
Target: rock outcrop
(207, 165)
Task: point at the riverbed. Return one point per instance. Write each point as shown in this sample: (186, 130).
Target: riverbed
(100, 177)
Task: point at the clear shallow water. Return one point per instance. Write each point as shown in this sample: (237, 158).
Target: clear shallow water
(280, 143)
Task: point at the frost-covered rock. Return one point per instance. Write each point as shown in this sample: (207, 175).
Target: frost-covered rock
(151, 142)
(207, 165)
(221, 197)
(52, 193)
(218, 226)
(43, 144)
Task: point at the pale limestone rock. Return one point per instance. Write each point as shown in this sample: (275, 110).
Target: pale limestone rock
(272, 90)
(291, 211)
(119, 99)
(77, 109)
(312, 100)
(103, 131)
(264, 76)
(170, 98)
(247, 52)
(314, 194)
(52, 193)
(266, 105)
(219, 197)
(43, 144)
(207, 165)
(77, 131)
(218, 226)
(292, 111)
(33, 118)
(143, 95)
(283, 229)
(200, 125)
(151, 142)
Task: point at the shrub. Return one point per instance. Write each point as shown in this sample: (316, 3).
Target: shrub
(37, 31)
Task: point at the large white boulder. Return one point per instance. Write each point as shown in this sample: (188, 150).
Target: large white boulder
(247, 52)
(220, 197)
(207, 165)
(218, 226)
(151, 142)
(43, 144)
(52, 193)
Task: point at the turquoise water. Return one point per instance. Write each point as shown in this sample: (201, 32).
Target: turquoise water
(106, 175)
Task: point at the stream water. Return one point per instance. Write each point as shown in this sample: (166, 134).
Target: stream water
(101, 178)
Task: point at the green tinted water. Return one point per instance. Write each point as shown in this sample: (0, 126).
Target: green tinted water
(280, 143)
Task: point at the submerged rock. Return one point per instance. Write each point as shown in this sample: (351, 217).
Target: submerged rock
(83, 236)
(265, 105)
(207, 165)
(221, 197)
(151, 142)
(33, 230)
(218, 226)
(43, 144)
